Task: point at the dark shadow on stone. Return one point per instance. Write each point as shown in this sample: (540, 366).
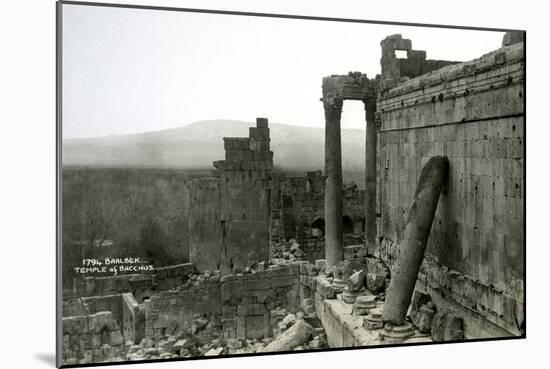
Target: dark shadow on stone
(46, 358)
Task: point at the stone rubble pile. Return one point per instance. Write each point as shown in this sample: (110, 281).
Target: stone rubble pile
(283, 251)
(294, 334)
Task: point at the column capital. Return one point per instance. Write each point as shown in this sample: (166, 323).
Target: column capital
(370, 104)
(332, 102)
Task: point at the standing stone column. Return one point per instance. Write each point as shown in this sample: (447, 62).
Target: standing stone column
(370, 176)
(333, 187)
(417, 231)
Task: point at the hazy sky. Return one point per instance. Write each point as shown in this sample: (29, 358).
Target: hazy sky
(129, 70)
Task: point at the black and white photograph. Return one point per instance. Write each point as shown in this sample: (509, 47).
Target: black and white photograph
(238, 184)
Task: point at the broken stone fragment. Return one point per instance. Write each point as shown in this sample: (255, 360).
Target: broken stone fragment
(298, 334)
(423, 319)
(214, 352)
(356, 282)
(199, 324)
(376, 283)
(167, 345)
(184, 344)
(171, 328)
(287, 322)
(374, 319)
(312, 270)
(133, 349)
(234, 344)
(325, 289)
(320, 264)
(447, 327)
(299, 253)
(151, 351)
(147, 343)
(315, 343)
(309, 310)
(185, 353)
(88, 357)
(363, 304)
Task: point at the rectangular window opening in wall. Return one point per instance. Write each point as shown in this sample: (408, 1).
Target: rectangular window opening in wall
(401, 54)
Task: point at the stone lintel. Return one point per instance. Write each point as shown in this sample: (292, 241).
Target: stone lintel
(353, 86)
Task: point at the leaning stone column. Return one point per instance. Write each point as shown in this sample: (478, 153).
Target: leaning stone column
(370, 176)
(417, 231)
(333, 187)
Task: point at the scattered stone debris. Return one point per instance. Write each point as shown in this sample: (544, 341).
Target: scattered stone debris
(297, 335)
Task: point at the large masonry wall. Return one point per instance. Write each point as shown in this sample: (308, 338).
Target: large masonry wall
(237, 306)
(473, 113)
(298, 206)
(140, 285)
(229, 216)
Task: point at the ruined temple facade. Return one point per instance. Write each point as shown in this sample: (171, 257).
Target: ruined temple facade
(442, 214)
(473, 114)
(229, 216)
(298, 207)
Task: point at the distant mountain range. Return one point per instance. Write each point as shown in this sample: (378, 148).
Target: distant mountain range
(198, 144)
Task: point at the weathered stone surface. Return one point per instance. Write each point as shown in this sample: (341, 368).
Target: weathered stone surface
(234, 344)
(233, 210)
(512, 37)
(376, 283)
(171, 328)
(424, 319)
(363, 304)
(115, 338)
(447, 327)
(214, 352)
(287, 322)
(320, 264)
(147, 343)
(102, 320)
(185, 344)
(374, 319)
(480, 127)
(75, 325)
(325, 289)
(356, 281)
(417, 231)
(396, 333)
(297, 335)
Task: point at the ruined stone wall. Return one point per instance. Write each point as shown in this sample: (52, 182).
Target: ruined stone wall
(229, 216)
(249, 299)
(205, 226)
(91, 338)
(133, 319)
(237, 306)
(112, 303)
(188, 309)
(473, 113)
(397, 69)
(298, 202)
(140, 285)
